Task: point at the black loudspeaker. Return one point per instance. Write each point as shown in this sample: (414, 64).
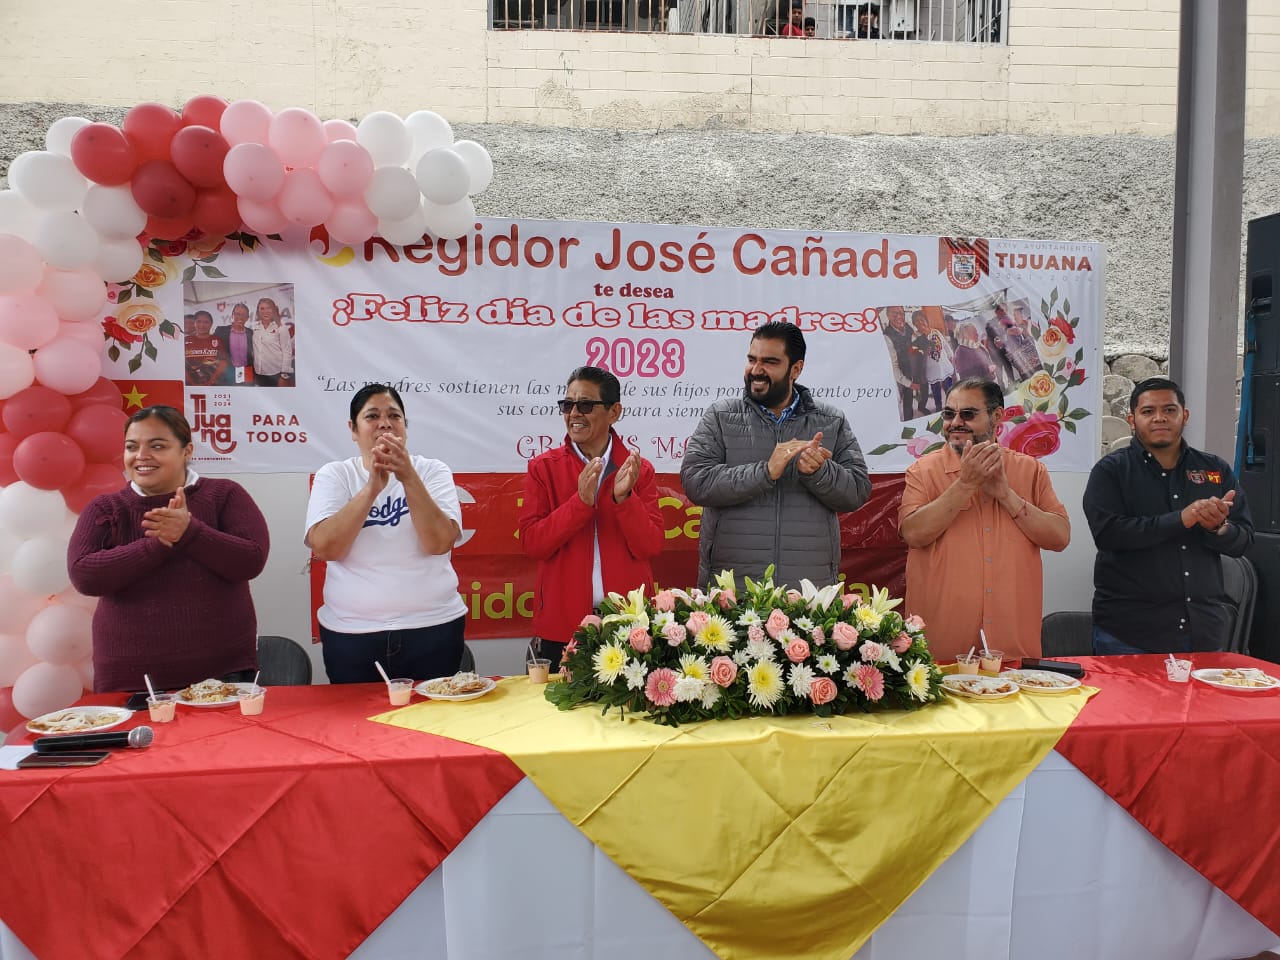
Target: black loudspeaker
(1260, 471)
(1264, 637)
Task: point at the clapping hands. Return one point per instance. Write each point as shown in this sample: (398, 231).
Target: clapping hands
(168, 524)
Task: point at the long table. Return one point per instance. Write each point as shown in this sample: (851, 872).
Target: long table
(340, 823)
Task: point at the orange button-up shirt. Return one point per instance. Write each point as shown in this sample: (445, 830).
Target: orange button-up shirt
(982, 572)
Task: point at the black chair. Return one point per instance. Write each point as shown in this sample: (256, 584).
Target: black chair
(468, 661)
(1240, 581)
(1067, 633)
(283, 662)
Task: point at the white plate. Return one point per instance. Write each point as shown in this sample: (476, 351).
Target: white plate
(1213, 678)
(976, 687)
(225, 702)
(422, 689)
(1059, 682)
(118, 716)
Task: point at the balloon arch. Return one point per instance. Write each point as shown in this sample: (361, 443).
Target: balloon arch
(80, 215)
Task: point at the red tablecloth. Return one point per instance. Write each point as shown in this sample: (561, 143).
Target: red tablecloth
(1197, 766)
(292, 834)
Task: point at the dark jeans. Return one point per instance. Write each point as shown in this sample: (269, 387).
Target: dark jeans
(548, 650)
(273, 380)
(907, 396)
(421, 654)
(1105, 645)
(239, 676)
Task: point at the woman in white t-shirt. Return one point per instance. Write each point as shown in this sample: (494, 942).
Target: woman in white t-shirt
(385, 522)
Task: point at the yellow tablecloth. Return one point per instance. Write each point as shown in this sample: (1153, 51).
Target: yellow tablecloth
(784, 837)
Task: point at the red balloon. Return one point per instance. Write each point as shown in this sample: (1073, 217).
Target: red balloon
(48, 461)
(35, 410)
(97, 479)
(104, 391)
(216, 212)
(150, 128)
(198, 153)
(10, 719)
(103, 154)
(8, 443)
(99, 430)
(203, 111)
(173, 228)
(160, 190)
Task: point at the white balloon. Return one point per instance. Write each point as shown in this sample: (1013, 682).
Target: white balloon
(17, 372)
(393, 193)
(479, 164)
(75, 294)
(46, 687)
(17, 606)
(15, 658)
(113, 212)
(451, 221)
(71, 598)
(443, 177)
(66, 240)
(61, 634)
(404, 232)
(58, 139)
(40, 566)
(21, 268)
(50, 181)
(85, 669)
(68, 366)
(28, 512)
(386, 138)
(17, 214)
(9, 543)
(430, 131)
(118, 260)
(81, 331)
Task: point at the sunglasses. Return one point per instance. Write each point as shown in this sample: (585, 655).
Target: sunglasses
(584, 406)
(968, 414)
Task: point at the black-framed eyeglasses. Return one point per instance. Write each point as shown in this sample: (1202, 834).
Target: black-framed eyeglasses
(968, 414)
(584, 406)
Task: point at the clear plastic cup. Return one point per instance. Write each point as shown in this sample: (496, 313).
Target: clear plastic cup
(539, 670)
(399, 691)
(968, 663)
(252, 700)
(991, 660)
(162, 707)
(1179, 671)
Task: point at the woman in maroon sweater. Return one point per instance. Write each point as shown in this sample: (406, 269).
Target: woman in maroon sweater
(171, 555)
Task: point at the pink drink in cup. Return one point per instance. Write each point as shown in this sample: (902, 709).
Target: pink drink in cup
(162, 707)
(252, 700)
(968, 663)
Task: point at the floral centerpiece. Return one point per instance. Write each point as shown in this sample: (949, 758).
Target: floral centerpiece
(686, 656)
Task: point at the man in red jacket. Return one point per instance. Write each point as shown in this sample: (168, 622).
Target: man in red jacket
(590, 515)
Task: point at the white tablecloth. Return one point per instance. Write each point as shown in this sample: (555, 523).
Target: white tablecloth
(1057, 872)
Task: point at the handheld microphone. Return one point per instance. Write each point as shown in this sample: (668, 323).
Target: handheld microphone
(137, 738)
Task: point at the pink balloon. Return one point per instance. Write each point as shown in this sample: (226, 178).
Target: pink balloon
(339, 130)
(8, 444)
(35, 410)
(61, 634)
(90, 334)
(303, 199)
(102, 391)
(245, 121)
(75, 294)
(46, 687)
(27, 320)
(21, 267)
(345, 168)
(99, 430)
(16, 370)
(261, 218)
(297, 137)
(68, 366)
(15, 657)
(97, 479)
(48, 461)
(17, 606)
(351, 222)
(253, 172)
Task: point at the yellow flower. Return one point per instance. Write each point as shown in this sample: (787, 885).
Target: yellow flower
(609, 661)
(716, 635)
(1039, 389)
(918, 676)
(867, 617)
(633, 611)
(139, 318)
(152, 275)
(764, 683)
(692, 665)
(880, 601)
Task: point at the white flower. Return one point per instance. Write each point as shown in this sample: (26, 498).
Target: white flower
(850, 676)
(623, 634)
(891, 660)
(786, 636)
(661, 619)
(867, 618)
(717, 635)
(819, 599)
(749, 616)
(918, 680)
(827, 663)
(760, 649)
(803, 623)
(688, 689)
(635, 673)
(764, 684)
(692, 665)
(800, 678)
(710, 695)
(609, 662)
(742, 657)
(698, 597)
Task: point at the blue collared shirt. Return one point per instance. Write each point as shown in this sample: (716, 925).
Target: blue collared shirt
(787, 411)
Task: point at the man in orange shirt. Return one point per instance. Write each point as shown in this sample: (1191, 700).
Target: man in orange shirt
(975, 517)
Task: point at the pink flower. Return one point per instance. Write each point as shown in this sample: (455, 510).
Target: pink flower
(1064, 327)
(822, 690)
(851, 600)
(727, 599)
(1037, 437)
(794, 596)
(819, 637)
(640, 640)
(665, 601)
(776, 623)
(566, 673)
(902, 643)
(697, 621)
(591, 620)
(797, 651)
(913, 623)
(660, 688)
(916, 446)
(845, 635)
(723, 671)
(755, 633)
(869, 680)
(675, 634)
(872, 651)
(570, 648)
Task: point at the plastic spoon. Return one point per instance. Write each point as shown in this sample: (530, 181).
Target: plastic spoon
(384, 673)
(152, 690)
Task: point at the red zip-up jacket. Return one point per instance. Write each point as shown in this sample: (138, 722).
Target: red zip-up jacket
(558, 530)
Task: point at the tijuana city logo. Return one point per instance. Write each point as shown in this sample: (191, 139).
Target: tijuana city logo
(213, 429)
(1201, 476)
(388, 513)
(965, 262)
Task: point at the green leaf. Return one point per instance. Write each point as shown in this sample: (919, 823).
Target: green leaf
(211, 271)
(189, 274)
(1044, 308)
(135, 362)
(933, 446)
(1026, 405)
(154, 254)
(149, 349)
(1079, 413)
(113, 352)
(1069, 425)
(1079, 356)
(144, 292)
(167, 329)
(1053, 295)
(274, 236)
(881, 450)
(1035, 330)
(1062, 405)
(1066, 306)
(1077, 378)
(125, 295)
(908, 433)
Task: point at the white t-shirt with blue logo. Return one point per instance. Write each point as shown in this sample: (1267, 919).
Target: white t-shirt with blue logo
(386, 581)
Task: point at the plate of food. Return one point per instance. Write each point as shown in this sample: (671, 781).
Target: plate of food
(1248, 679)
(461, 686)
(979, 688)
(78, 720)
(212, 693)
(1041, 681)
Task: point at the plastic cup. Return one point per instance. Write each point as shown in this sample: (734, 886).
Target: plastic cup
(162, 707)
(252, 700)
(539, 670)
(991, 660)
(1179, 671)
(399, 691)
(968, 663)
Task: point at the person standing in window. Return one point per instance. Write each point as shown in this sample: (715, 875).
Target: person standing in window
(272, 348)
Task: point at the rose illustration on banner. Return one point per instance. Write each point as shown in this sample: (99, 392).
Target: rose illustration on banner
(132, 326)
(1037, 435)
